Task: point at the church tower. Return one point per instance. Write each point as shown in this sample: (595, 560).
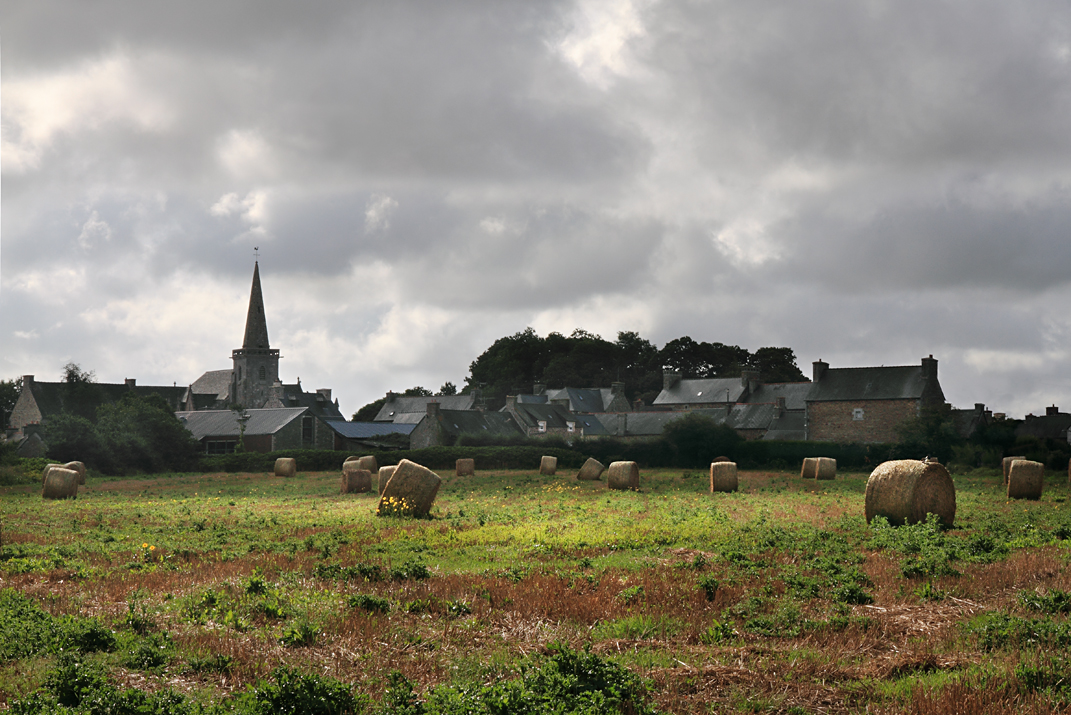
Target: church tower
(256, 365)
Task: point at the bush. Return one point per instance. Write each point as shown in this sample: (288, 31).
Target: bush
(697, 439)
(294, 693)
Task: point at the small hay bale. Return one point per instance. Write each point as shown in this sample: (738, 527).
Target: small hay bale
(623, 476)
(548, 466)
(410, 492)
(826, 468)
(1006, 465)
(60, 483)
(591, 471)
(78, 467)
(355, 480)
(285, 467)
(1025, 479)
(385, 473)
(368, 462)
(723, 477)
(810, 468)
(465, 467)
(44, 472)
(904, 491)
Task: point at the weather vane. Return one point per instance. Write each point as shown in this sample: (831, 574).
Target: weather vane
(256, 252)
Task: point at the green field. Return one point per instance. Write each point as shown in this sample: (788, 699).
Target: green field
(777, 598)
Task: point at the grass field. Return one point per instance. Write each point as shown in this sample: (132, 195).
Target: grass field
(777, 598)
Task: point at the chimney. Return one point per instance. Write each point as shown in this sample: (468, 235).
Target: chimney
(433, 409)
(818, 369)
(1054, 410)
(749, 378)
(131, 381)
(324, 392)
(27, 381)
(979, 407)
(670, 379)
(617, 388)
(511, 401)
(929, 369)
(390, 396)
(539, 388)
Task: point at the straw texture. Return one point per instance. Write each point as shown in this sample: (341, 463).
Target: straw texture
(723, 477)
(904, 491)
(285, 467)
(1025, 479)
(591, 471)
(623, 476)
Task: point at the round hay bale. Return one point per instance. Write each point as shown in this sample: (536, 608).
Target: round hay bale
(44, 472)
(810, 468)
(721, 459)
(351, 458)
(465, 467)
(355, 480)
(385, 473)
(826, 468)
(285, 467)
(723, 477)
(1025, 479)
(368, 462)
(78, 467)
(623, 476)
(548, 466)
(591, 471)
(410, 492)
(1006, 465)
(60, 483)
(904, 491)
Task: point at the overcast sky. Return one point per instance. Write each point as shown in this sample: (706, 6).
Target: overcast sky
(865, 182)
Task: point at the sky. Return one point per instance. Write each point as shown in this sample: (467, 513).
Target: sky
(865, 182)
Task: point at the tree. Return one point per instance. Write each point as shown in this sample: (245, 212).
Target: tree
(81, 396)
(9, 395)
(776, 365)
(141, 433)
(72, 438)
(697, 439)
(417, 391)
(447, 389)
(932, 433)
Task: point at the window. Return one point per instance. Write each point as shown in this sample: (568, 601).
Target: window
(263, 373)
(306, 429)
(857, 414)
(542, 426)
(570, 426)
(220, 446)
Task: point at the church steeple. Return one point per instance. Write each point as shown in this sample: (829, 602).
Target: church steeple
(256, 325)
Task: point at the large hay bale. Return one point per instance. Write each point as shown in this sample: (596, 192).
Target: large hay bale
(44, 472)
(410, 492)
(904, 491)
(385, 473)
(826, 468)
(1025, 479)
(368, 462)
(548, 466)
(60, 483)
(591, 471)
(810, 468)
(623, 476)
(355, 480)
(351, 458)
(723, 477)
(285, 467)
(465, 467)
(1006, 465)
(78, 467)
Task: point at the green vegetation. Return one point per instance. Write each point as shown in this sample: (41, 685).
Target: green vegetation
(246, 593)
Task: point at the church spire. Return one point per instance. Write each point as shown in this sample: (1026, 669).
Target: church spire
(256, 325)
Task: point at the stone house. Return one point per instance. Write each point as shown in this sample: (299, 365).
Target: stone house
(581, 400)
(410, 410)
(1053, 425)
(704, 393)
(543, 419)
(439, 427)
(867, 404)
(266, 429)
(40, 400)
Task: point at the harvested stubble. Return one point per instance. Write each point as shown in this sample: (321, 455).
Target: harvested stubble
(591, 471)
(413, 485)
(723, 477)
(385, 473)
(368, 462)
(826, 469)
(1025, 479)
(465, 467)
(60, 483)
(810, 468)
(1006, 465)
(623, 476)
(355, 480)
(548, 466)
(285, 467)
(78, 467)
(904, 491)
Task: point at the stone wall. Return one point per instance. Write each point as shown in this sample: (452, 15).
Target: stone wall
(858, 420)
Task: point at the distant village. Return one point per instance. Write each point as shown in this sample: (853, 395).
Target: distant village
(839, 404)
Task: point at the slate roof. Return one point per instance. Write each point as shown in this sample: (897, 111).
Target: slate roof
(400, 405)
(457, 422)
(638, 424)
(224, 423)
(700, 391)
(795, 394)
(593, 425)
(50, 396)
(751, 417)
(365, 430)
(869, 383)
(295, 396)
(213, 382)
(1046, 426)
(789, 426)
(583, 399)
(556, 416)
